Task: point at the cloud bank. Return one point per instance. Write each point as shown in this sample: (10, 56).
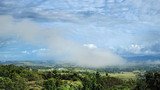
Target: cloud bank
(58, 45)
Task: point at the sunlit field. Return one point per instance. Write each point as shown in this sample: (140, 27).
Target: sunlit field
(124, 75)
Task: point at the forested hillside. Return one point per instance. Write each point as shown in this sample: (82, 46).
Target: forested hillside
(26, 78)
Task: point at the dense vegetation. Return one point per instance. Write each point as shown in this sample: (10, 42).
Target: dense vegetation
(26, 78)
(149, 81)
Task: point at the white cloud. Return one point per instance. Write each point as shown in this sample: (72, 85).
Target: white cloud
(25, 52)
(90, 46)
(39, 50)
(136, 49)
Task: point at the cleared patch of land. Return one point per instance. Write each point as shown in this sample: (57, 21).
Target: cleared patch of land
(124, 75)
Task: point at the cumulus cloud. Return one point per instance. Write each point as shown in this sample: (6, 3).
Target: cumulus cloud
(25, 52)
(54, 39)
(91, 46)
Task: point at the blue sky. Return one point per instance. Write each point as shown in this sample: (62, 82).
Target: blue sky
(127, 28)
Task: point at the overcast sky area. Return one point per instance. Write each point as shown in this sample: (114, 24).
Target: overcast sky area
(104, 32)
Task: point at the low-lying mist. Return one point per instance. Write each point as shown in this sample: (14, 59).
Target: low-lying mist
(54, 39)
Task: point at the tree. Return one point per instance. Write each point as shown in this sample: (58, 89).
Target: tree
(87, 83)
(50, 84)
(150, 81)
(6, 83)
(19, 82)
(98, 75)
(107, 74)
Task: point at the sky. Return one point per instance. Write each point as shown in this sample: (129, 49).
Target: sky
(104, 32)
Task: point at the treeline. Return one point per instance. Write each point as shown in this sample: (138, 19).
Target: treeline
(23, 78)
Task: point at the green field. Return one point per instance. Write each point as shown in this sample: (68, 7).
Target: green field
(124, 75)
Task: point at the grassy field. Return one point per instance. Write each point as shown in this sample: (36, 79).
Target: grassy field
(124, 75)
(121, 75)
